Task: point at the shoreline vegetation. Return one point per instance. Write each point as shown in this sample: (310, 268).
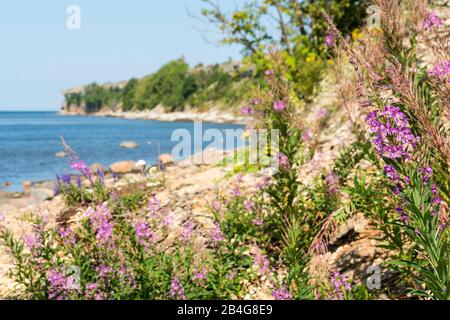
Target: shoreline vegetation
(356, 209)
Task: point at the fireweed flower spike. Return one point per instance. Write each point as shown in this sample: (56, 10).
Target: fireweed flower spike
(393, 138)
(283, 161)
(216, 233)
(282, 294)
(279, 106)
(186, 231)
(431, 21)
(176, 290)
(340, 283)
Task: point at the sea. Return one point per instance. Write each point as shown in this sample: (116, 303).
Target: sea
(30, 140)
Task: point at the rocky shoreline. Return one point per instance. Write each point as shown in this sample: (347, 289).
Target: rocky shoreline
(214, 115)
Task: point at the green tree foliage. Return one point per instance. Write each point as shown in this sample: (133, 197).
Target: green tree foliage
(293, 26)
(128, 94)
(173, 86)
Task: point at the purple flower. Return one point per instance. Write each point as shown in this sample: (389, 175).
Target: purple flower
(101, 223)
(79, 181)
(332, 183)
(282, 294)
(249, 205)
(431, 21)
(279, 105)
(199, 276)
(176, 290)
(57, 285)
(262, 263)
(216, 205)
(306, 136)
(246, 110)
(391, 172)
(321, 113)
(216, 233)
(186, 231)
(441, 71)
(143, 233)
(154, 205)
(268, 73)
(426, 173)
(340, 283)
(104, 270)
(236, 192)
(258, 222)
(283, 161)
(330, 40)
(392, 136)
(67, 235)
(434, 190)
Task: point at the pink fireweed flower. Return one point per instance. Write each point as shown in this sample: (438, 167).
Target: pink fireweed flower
(236, 192)
(143, 233)
(199, 276)
(104, 271)
(32, 241)
(249, 205)
(282, 294)
(392, 135)
(426, 173)
(168, 220)
(186, 231)
(332, 183)
(154, 204)
(246, 110)
(57, 289)
(216, 233)
(268, 72)
(279, 105)
(283, 161)
(330, 40)
(67, 235)
(176, 290)
(431, 21)
(341, 284)
(263, 183)
(262, 263)
(80, 166)
(441, 71)
(306, 136)
(321, 113)
(101, 223)
(216, 205)
(258, 222)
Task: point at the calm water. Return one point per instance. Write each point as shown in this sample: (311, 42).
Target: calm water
(29, 141)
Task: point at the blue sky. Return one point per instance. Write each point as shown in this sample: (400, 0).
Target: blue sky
(118, 40)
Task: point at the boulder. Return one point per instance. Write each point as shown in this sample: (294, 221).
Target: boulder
(165, 159)
(60, 154)
(123, 167)
(26, 185)
(129, 145)
(42, 194)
